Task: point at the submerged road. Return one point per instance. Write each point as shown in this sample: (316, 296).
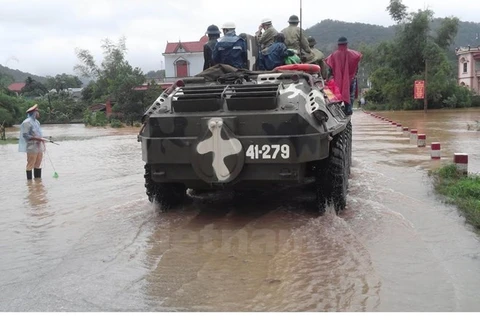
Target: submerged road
(91, 241)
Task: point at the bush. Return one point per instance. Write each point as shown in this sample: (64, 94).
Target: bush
(116, 124)
(94, 119)
(6, 118)
(475, 101)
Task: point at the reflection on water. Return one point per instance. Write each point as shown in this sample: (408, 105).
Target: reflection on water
(36, 195)
(449, 127)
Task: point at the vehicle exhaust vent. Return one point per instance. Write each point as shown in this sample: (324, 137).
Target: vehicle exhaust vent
(198, 99)
(248, 97)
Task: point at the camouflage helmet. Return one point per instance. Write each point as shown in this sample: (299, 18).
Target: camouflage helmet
(293, 19)
(213, 30)
(312, 41)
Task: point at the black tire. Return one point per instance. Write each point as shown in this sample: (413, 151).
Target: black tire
(349, 135)
(332, 176)
(166, 195)
(322, 186)
(338, 171)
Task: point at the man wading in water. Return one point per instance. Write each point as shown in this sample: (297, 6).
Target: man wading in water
(32, 143)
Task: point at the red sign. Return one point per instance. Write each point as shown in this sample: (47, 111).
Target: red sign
(419, 90)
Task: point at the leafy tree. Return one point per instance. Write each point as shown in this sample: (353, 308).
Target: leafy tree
(62, 82)
(397, 10)
(33, 88)
(114, 77)
(396, 64)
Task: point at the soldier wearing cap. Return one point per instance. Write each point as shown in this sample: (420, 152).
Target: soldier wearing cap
(231, 49)
(32, 143)
(267, 38)
(213, 34)
(296, 39)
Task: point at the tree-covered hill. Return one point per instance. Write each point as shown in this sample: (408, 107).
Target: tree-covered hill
(20, 76)
(328, 31)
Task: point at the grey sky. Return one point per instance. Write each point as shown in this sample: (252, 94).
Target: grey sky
(40, 36)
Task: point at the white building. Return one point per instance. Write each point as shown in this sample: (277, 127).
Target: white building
(184, 59)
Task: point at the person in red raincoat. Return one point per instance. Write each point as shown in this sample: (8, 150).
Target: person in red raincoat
(344, 67)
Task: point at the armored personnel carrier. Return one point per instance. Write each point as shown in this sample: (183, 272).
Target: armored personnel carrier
(241, 130)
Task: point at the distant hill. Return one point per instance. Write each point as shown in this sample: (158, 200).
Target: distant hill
(328, 31)
(20, 76)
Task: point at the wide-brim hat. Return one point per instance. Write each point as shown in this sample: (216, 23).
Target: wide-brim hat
(34, 108)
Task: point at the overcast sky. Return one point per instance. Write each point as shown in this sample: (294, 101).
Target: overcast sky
(40, 36)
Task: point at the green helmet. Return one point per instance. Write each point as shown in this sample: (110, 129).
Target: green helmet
(213, 30)
(312, 41)
(293, 19)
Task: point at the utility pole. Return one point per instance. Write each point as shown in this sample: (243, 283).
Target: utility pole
(425, 102)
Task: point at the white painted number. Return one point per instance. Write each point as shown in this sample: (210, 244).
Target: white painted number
(268, 152)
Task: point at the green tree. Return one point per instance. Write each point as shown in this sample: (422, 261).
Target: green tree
(114, 77)
(396, 64)
(62, 82)
(397, 10)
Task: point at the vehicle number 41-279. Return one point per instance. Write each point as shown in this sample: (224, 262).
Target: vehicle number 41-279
(268, 152)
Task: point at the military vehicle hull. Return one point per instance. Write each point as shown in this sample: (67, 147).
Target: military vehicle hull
(244, 131)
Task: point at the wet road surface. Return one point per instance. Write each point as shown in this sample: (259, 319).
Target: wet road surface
(91, 241)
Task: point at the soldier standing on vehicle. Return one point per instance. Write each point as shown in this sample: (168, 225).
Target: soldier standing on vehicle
(266, 39)
(32, 143)
(231, 49)
(317, 57)
(296, 39)
(213, 34)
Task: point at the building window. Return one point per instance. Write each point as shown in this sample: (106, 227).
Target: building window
(465, 67)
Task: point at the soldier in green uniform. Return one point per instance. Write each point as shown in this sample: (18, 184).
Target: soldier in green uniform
(296, 40)
(317, 57)
(266, 38)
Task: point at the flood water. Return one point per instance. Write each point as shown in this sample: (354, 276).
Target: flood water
(91, 241)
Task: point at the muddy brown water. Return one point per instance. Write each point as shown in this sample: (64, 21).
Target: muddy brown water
(91, 241)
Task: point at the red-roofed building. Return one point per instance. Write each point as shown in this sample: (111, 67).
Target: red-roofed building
(184, 59)
(16, 87)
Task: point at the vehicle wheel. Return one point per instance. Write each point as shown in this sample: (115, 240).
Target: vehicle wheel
(167, 195)
(322, 186)
(349, 147)
(338, 172)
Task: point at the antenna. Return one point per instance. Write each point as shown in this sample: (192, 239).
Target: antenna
(301, 21)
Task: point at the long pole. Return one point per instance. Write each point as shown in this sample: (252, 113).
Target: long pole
(425, 102)
(301, 21)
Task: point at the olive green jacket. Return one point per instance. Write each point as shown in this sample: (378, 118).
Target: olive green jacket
(292, 40)
(266, 39)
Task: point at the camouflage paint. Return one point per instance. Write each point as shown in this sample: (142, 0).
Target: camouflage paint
(219, 134)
